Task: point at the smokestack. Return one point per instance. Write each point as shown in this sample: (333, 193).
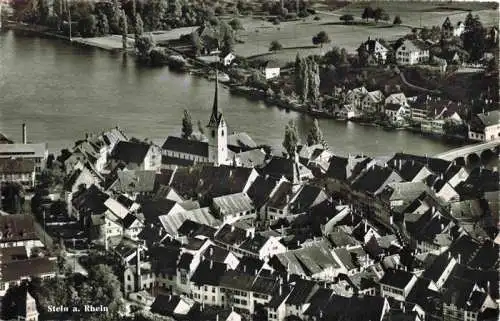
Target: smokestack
(25, 137)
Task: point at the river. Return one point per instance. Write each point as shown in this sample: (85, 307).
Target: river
(63, 91)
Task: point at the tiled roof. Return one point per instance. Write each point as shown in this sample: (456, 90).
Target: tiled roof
(186, 146)
(17, 227)
(152, 210)
(173, 221)
(17, 270)
(230, 235)
(26, 150)
(16, 166)
(254, 244)
(240, 281)
(135, 181)
(278, 167)
(241, 140)
(192, 229)
(396, 278)
(261, 189)
(208, 273)
(374, 178)
(91, 201)
(280, 197)
(306, 198)
(234, 203)
(130, 152)
(184, 261)
(165, 304)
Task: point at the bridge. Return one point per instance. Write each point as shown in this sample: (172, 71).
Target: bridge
(472, 154)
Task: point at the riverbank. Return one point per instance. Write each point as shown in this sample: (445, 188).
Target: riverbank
(198, 67)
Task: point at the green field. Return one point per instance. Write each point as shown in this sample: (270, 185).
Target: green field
(258, 33)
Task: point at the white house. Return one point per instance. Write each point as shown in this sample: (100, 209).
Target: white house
(348, 112)
(372, 102)
(397, 98)
(271, 70)
(485, 126)
(228, 59)
(412, 52)
(375, 48)
(235, 207)
(397, 284)
(354, 96)
(396, 113)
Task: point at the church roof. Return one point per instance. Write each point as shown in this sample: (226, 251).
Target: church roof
(186, 146)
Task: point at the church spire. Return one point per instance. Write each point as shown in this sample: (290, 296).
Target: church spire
(214, 118)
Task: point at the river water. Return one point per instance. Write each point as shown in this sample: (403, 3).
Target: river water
(63, 91)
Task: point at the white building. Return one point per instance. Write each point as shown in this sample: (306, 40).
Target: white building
(485, 126)
(354, 96)
(375, 48)
(372, 102)
(412, 52)
(228, 59)
(271, 70)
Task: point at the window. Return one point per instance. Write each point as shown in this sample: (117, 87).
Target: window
(213, 133)
(222, 133)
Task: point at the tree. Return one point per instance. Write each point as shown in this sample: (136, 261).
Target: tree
(139, 26)
(87, 26)
(474, 37)
(344, 57)
(315, 135)
(104, 287)
(227, 43)
(368, 13)
(144, 45)
(378, 14)
(124, 29)
(102, 25)
(236, 24)
(332, 57)
(201, 129)
(196, 43)
(347, 18)
(363, 55)
(397, 20)
(114, 18)
(275, 46)
(291, 139)
(320, 39)
(187, 125)
(314, 80)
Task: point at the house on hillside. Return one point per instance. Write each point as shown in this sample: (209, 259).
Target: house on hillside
(412, 52)
(448, 30)
(271, 69)
(485, 126)
(228, 59)
(20, 171)
(372, 102)
(375, 49)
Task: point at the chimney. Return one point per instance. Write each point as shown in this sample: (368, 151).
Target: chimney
(169, 297)
(244, 268)
(366, 226)
(281, 290)
(211, 251)
(138, 268)
(25, 136)
(459, 258)
(232, 228)
(211, 264)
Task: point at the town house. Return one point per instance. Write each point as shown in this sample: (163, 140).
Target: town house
(412, 52)
(20, 170)
(485, 126)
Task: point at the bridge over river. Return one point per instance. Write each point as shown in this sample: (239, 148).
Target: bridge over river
(473, 154)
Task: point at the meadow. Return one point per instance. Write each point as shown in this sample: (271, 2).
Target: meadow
(296, 36)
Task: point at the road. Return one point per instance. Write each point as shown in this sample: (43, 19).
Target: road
(72, 261)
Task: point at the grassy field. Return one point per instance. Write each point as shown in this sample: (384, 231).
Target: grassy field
(298, 34)
(259, 34)
(430, 13)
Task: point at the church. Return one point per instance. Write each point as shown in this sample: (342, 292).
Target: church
(185, 152)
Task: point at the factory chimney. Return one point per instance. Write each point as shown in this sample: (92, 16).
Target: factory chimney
(25, 137)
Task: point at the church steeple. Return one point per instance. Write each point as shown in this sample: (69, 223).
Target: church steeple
(217, 130)
(216, 115)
